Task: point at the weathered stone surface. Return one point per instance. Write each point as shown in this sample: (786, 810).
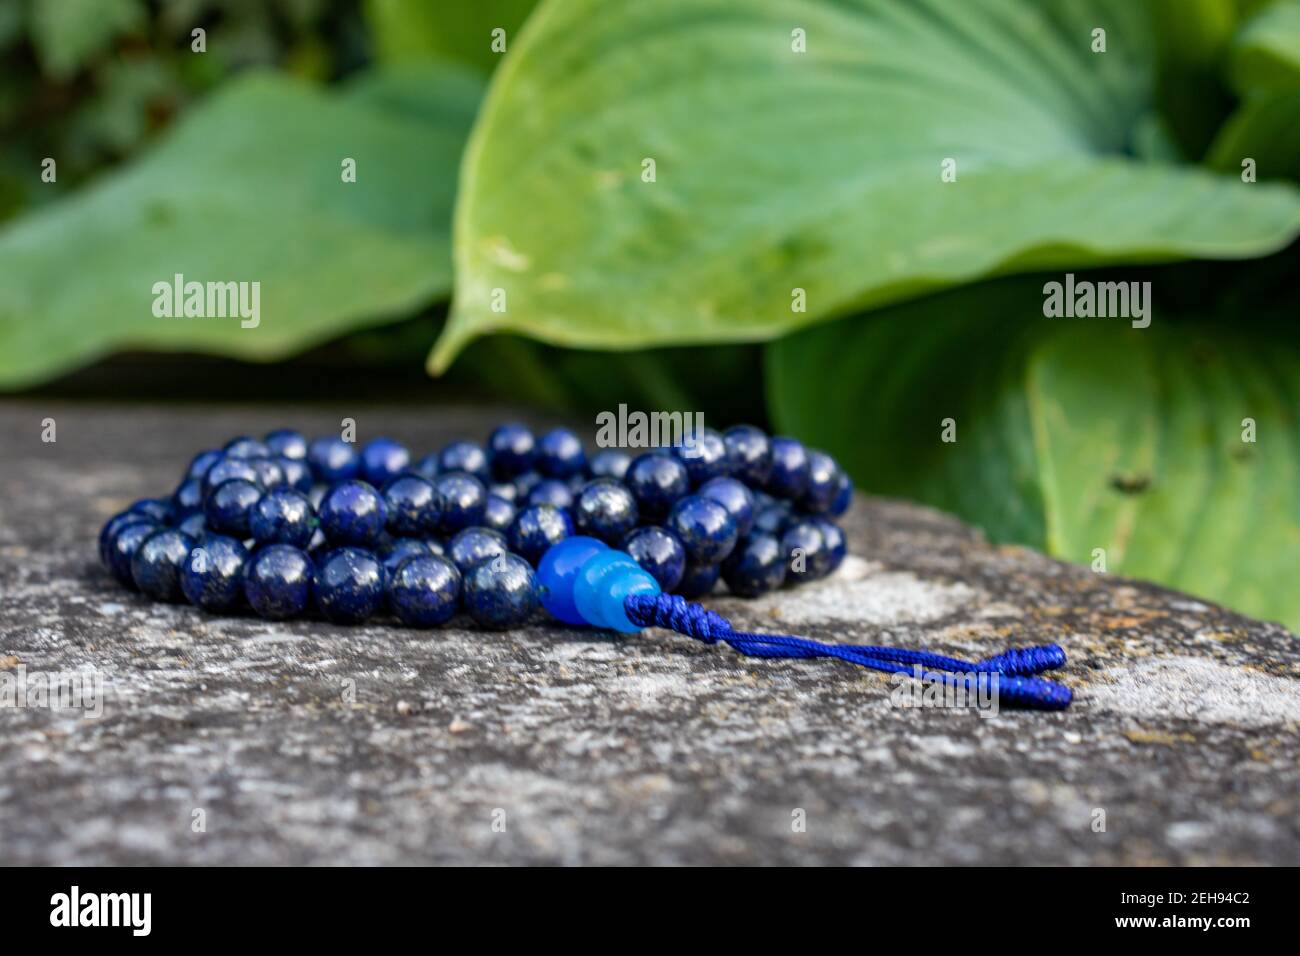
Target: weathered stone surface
(600, 749)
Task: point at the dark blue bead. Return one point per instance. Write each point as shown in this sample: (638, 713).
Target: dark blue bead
(427, 467)
(383, 460)
(392, 553)
(697, 580)
(195, 525)
(736, 497)
(605, 509)
(123, 544)
(705, 457)
(463, 499)
(505, 490)
(111, 527)
(473, 545)
(413, 506)
(501, 593)
(551, 492)
(465, 456)
(230, 507)
(297, 474)
(187, 499)
(706, 528)
(843, 494)
(287, 443)
(245, 447)
(333, 460)
(212, 575)
(512, 450)
(349, 586)
(660, 552)
(158, 509)
(353, 513)
(536, 528)
(837, 548)
(803, 546)
(226, 470)
(823, 483)
(560, 454)
(756, 566)
(789, 475)
(282, 516)
(772, 518)
(201, 462)
(425, 591)
(499, 513)
(155, 567)
(749, 454)
(656, 479)
(269, 473)
(278, 581)
(610, 463)
(525, 483)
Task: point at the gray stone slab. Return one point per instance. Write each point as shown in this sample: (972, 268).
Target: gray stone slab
(593, 748)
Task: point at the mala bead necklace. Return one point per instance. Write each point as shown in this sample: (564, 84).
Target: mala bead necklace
(287, 528)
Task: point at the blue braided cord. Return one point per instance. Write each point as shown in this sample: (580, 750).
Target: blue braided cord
(1009, 669)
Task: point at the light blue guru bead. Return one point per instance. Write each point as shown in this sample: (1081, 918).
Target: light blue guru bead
(585, 583)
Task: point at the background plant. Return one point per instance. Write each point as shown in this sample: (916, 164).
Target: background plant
(776, 171)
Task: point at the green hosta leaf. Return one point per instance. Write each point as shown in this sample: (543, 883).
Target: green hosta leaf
(1266, 52)
(777, 170)
(1071, 434)
(1266, 129)
(67, 33)
(248, 188)
(417, 29)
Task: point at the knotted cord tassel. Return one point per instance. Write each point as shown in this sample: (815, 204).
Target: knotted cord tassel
(1010, 672)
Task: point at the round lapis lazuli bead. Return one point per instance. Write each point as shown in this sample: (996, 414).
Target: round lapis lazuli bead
(212, 576)
(297, 474)
(187, 499)
(349, 586)
(383, 460)
(412, 505)
(605, 509)
(282, 517)
(823, 483)
(287, 443)
(749, 454)
(788, 477)
(804, 547)
(353, 513)
(756, 566)
(560, 454)
(471, 545)
(736, 497)
(229, 508)
(499, 513)
(706, 529)
(111, 527)
(556, 573)
(155, 566)
(698, 580)
(501, 593)
(201, 462)
(278, 581)
(227, 469)
(269, 473)
(512, 450)
(536, 528)
(245, 447)
(551, 491)
(466, 456)
(705, 456)
(656, 479)
(424, 591)
(396, 550)
(123, 544)
(333, 460)
(610, 463)
(159, 509)
(843, 494)
(660, 552)
(837, 548)
(462, 499)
